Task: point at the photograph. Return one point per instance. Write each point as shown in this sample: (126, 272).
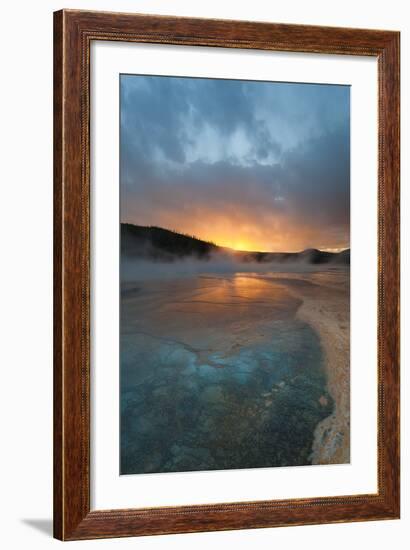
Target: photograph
(234, 274)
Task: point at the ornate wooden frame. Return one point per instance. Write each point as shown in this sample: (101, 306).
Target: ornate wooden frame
(73, 33)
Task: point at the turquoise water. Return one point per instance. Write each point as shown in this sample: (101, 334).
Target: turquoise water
(217, 373)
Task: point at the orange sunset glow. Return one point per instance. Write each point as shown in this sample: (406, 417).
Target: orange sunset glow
(253, 235)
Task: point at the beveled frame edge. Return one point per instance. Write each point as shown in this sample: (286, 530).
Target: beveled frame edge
(73, 32)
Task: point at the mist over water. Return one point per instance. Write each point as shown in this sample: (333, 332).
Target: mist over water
(137, 270)
(216, 370)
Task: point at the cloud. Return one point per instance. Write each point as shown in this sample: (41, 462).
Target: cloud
(265, 164)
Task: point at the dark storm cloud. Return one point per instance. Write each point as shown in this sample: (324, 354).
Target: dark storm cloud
(265, 159)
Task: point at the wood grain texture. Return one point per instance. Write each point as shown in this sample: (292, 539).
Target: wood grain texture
(73, 32)
(57, 302)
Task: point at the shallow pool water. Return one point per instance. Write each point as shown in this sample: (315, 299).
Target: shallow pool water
(217, 373)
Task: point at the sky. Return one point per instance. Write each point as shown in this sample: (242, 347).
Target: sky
(250, 165)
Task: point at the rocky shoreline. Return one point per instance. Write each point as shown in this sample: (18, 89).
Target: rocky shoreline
(327, 313)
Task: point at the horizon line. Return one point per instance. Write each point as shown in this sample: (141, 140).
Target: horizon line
(328, 251)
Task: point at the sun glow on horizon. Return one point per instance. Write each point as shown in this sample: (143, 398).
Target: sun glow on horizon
(246, 236)
(253, 239)
(243, 245)
(249, 238)
(239, 245)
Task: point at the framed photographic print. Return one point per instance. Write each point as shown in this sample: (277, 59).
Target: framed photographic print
(226, 335)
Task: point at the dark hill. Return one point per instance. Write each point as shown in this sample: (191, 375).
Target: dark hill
(162, 244)
(155, 243)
